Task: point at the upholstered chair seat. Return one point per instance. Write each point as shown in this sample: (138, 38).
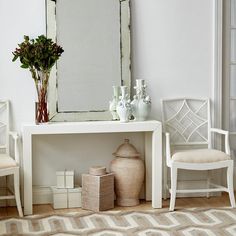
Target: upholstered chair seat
(6, 161)
(200, 156)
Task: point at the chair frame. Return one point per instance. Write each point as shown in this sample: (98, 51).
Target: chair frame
(11, 170)
(174, 166)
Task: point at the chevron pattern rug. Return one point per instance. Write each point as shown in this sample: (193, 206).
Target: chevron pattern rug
(196, 222)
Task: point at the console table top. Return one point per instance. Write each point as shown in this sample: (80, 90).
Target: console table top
(91, 127)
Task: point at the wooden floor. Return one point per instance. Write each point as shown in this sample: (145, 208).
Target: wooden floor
(222, 201)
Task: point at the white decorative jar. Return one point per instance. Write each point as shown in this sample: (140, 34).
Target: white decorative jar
(141, 104)
(114, 102)
(123, 107)
(129, 171)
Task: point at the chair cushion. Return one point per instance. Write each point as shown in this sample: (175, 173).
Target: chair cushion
(6, 161)
(200, 156)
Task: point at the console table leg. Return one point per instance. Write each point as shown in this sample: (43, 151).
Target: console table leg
(148, 166)
(157, 168)
(27, 167)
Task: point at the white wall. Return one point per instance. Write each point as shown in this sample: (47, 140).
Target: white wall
(18, 18)
(172, 49)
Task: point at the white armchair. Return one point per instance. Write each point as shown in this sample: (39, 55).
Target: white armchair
(9, 165)
(187, 123)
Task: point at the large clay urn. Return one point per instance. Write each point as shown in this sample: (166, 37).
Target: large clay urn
(128, 170)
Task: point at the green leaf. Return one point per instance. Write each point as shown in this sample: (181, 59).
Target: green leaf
(15, 58)
(26, 38)
(40, 53)
(24, 66)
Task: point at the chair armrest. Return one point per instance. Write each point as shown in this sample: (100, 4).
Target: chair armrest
(219, 131)
(168, 152)
(15, 137)
(226, 134)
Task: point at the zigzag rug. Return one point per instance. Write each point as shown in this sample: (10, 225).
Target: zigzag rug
(196, 222)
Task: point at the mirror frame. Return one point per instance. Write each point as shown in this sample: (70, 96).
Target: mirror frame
(125, 52)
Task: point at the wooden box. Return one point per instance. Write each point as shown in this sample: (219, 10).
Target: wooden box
(98, 192)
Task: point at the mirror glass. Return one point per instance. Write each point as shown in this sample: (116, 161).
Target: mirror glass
(95, 36)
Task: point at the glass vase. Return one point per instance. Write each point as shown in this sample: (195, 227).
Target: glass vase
(41, 112)
(41, 107)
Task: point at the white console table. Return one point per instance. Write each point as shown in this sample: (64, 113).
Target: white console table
(153, 151)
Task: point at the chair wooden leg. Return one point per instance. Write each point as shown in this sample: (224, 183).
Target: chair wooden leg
(208, 182)
(230, 184)
(173, 188)
(165, 175)
(6, 191)
(17, 192)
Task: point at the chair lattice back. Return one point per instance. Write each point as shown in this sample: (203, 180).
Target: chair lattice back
(187, 120)
(4, 126)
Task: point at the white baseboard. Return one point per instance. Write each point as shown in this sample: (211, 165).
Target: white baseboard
(193, 184)
(3, 203)
(43, 195)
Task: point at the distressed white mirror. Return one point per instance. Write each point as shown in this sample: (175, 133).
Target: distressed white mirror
(95, 35)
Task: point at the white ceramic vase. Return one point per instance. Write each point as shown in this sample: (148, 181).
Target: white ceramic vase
(114, 102)
(141, 104)
(123, 107)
